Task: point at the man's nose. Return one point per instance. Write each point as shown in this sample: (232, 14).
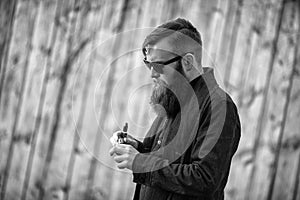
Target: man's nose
(154, 74)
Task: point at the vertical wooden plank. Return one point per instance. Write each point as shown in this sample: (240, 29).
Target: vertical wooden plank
(7, 83)
(7, 13)
(205, 12)
(72, 54)
(241, 76)
(165, 9)
(75, 151)
(45, 116)
(232, 45)
(211, 14)
(56, 60)
(263, 110)
(174, 6)
(212, 41)
(90, 124)
(28, 51)
(254, 26)
(296, 183)
(52, 13)
(184, 7)
(30, 115)
(284, 170)
(43, 182)
(247, 79)
(220, 54)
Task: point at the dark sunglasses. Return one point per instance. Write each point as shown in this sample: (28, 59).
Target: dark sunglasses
(159, 65)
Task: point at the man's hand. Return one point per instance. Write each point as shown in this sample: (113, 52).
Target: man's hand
(124, 155)
(128, 140)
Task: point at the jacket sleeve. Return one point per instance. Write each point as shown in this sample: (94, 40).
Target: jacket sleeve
(203, 174)
(145, 146)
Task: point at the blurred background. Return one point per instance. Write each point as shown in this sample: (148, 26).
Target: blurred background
(71, 74)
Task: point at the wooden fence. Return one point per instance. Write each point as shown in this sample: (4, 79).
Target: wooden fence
(71, 74)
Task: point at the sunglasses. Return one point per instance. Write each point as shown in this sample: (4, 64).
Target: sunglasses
(159, 65)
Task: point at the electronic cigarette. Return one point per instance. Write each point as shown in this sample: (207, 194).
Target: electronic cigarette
(123, 135)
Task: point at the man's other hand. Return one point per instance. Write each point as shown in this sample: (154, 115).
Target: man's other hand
(124, 155)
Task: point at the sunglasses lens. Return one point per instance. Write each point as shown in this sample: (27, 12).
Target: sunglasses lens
(156, 66)
(148, 65)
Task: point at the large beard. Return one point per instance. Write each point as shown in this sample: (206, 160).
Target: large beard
(163, 100)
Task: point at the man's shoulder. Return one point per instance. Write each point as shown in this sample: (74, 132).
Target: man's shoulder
(220, 99)
(216, 94)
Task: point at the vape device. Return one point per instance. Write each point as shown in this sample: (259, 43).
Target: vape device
(123, 135)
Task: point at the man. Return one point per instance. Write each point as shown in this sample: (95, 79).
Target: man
(187, 152)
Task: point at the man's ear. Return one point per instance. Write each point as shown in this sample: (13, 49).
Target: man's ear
(188, 61)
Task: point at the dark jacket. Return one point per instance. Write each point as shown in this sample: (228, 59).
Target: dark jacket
(202, 168)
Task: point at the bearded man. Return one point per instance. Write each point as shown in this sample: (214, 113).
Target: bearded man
(187, 152)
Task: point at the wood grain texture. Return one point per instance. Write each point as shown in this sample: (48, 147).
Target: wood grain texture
(71, 74)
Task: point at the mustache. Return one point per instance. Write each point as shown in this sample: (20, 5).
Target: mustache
(160, 83)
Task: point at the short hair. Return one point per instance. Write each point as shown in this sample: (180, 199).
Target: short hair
(182, 34)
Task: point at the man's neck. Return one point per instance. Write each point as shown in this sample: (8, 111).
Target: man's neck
(198, 72)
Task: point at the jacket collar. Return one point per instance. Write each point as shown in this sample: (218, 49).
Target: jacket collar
(206, 79)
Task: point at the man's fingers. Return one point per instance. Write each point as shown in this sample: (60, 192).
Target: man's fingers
(120, 158)
(115, 150)
(121, 161)
(123, 164)
(123, 146)
(118, 149)
(124, 155)
(112, 151)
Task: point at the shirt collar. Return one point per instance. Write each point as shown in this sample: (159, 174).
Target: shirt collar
(207, 78)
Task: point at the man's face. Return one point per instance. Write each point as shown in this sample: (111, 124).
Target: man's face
(163, 100)
(168, 73)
